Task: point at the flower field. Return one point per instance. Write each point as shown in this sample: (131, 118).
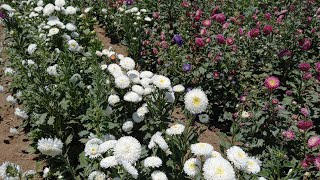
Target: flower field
(247, 71)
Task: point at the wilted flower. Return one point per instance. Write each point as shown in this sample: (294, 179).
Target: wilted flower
(10, 171)
(32, 48)
(204, 118)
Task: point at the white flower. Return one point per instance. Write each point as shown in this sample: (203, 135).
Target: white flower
(127, 126)
(178, 88)
(52, 70)
(13, 130)
(134, 76)
(73, 45)
(8, 71)
(104, 67)
(201, 149)
(143, 10)
(145, 82)
(204, 118)
(38, 9)
(14, 170)
(92, 148)
(134, 9)
(40, 3)
(21, 114)
(115, 70)
(71, 27)
(157, 139)
(142, 111)
(218, 169)
(170, 97)
(237, 156)
(32, 48)
(53, 31)
(196, 101)
(99, 53)
(192, 167)
(113, 99)
(214, 154)
(261, 178)
(158, 175)
(48, 9)
(175, 129)
(152, 161)
(1, 89)
(50, 147)
(7, 8)
(130, 169)
(87, 9)
(75, 35)
(148, 90)
(132, 97)
(122, 82)
(108, 137)
(127, 149)
(138, 89)
(107, 145)
(245, 114)
(161, 82)
(53, 20)
(97, 175)
(59, 3)
(108, 162)
(46, 172)
(146, 74)
(33, 14)
(70, 10)
(66, 37)
(127, 63)
(253, 165)
(148, 19)
(11, 99)
(136, 118)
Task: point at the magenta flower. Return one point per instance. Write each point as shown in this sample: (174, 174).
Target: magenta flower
(230, 41)
(220, 39)
(272, 82)
(304, 125)
(305, 112)
(304, 67)
(267, 16)
(267, 29)
(156, 15)
(317, 66)
(255, 32)
(203, 31)
(289, 135)
(221, 18)
(206, 23)
(241, 31)
(314, 141)
(200, 42)
(307, 76)
(285, 53)
(304, 164)
(316, 163)
(305, 44)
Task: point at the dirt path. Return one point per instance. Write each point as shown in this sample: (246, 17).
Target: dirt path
(12, 147)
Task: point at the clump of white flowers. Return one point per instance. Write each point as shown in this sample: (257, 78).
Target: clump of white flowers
(50, 147)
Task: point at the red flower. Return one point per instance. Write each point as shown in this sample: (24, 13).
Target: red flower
(200, 42)
(305, 125)
(254, 33)
(267, 29)
(220, 39)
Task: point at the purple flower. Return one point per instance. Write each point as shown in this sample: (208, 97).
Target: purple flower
(304, 67)
(178, 39)
(2, 15)
(186, 67)
(129, 2)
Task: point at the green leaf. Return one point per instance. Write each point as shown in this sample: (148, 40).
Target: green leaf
(69, 139)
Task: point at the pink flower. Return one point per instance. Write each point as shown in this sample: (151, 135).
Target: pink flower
(220, 39)
(304, 67)
(203, 32)
(289, 135)
(206, 23)
(304, 164)
(316, 163)
(314, 141)
(305, 44)
(304, 125)
(155, 51)
(185, 4)
(317, 66)
(254, 33)
(156, 15)
(305, 112)
(225, 26)
(164, 44)
(272, 82)
(241, 32)
(267, 29)
(221, 18)
(199, 12)
(200, 42)
(307, 76)
(279, 19)
(230, 41)
(267, 16)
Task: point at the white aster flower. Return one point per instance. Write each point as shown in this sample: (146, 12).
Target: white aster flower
(132, 97)
(127, 126)
(148, 19)
(8, 71)
(92, 148)
(7, 8)
(214, 154)
(73, 45)
(53, 31)
(127, 63)
(70, 10)
(178, 88)
(122, 82)
(46, 172)
(136, 118)
(97, 175)
(196, 101)
(32, 48)
(53, 20)
(11, 99)
(152, 161)
(237, 156)
(253, 165)
(127, 149)
(103, 67)
(148, 90)
(38, 9)
(71, 27)
(108, 162)
(142, 111)
(218, 169)
(48, 9)
(59, 3)
(115, 70)
(134, 10)
(50, 147)
(146, 74)
(157, 139)
(158, 175)
(52, 70)
(113, 99)
(138, 89)
(21, 114)
(130, 169)
(204, 118)
(134, 76)
(99, 53)
(192, 167)
(145, 82)
(107, 145)
(245, 114)
(176, 129)
(201, 149)
(10, 171)
(161, 82)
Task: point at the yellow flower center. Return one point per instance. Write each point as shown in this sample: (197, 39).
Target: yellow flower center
(162, 81)
(196, 101)
(93, 150)
(192, 166)
(241, 155)
(219, 171)
(272, 82)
